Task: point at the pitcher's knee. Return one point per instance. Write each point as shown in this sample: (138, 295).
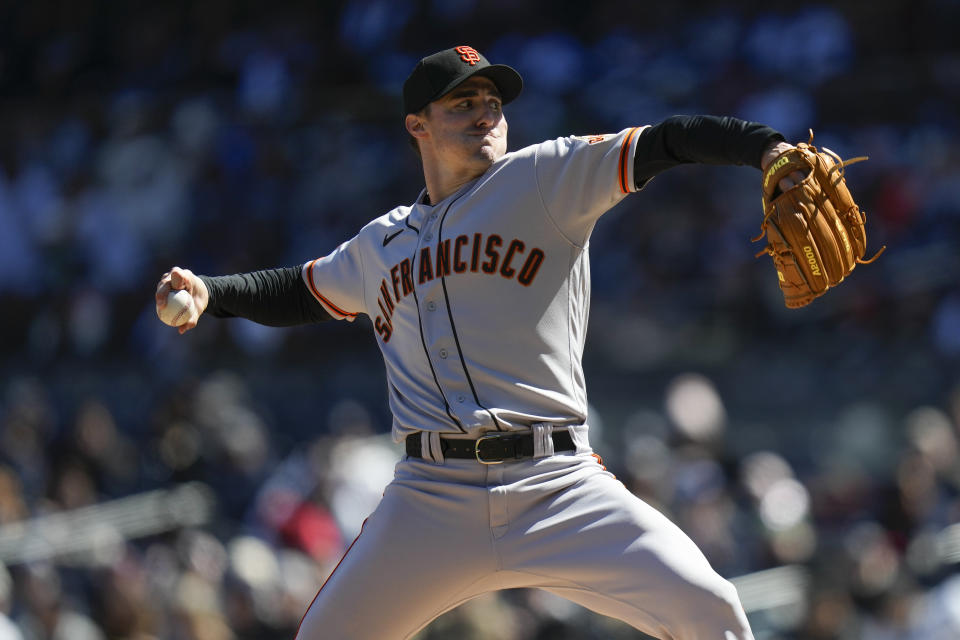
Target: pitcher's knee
(717, 613)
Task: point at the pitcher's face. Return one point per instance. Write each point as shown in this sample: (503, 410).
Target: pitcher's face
(466, 127)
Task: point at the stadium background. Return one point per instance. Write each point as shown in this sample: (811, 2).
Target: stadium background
(162, 487)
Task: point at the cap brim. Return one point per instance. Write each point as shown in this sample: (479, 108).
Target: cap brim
(508, 81)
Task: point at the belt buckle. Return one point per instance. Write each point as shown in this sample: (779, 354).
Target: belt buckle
(476, 448)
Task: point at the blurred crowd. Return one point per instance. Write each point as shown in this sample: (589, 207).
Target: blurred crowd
(228, 136)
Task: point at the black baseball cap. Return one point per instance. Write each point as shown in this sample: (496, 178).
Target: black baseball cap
(439, 73)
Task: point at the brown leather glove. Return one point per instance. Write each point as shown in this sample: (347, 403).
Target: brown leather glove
(815, 231)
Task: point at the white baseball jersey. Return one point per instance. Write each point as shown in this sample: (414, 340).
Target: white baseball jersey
(480, 301)
(480, 307)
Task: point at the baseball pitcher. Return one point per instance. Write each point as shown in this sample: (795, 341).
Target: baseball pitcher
(478, 293)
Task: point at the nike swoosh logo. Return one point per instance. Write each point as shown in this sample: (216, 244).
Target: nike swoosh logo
(388, 238)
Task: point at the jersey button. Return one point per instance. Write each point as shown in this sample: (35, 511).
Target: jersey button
(443, 353)
(461, 398)
(428, 237)
(431, 306)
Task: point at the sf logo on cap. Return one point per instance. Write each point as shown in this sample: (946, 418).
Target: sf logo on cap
(468, 55)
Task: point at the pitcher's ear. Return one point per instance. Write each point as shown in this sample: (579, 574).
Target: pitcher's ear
(414, 125)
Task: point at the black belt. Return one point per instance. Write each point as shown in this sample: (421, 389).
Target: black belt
(491, 448)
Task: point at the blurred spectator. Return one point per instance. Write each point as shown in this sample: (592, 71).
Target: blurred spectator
(48, 613)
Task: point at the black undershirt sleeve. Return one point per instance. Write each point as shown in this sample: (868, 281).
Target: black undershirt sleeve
(274, 297)
(700, 139)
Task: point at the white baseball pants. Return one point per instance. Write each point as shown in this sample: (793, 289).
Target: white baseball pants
(445, 533)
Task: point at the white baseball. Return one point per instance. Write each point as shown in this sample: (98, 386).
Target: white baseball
(177, 311)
